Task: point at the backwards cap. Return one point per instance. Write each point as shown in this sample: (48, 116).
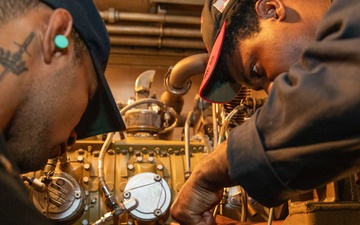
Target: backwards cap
(102, 114)
(213, 87)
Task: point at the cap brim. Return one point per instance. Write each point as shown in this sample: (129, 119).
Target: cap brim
(102, 114)
(212, 88)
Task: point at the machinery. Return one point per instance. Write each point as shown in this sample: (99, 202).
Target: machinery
(132, 177)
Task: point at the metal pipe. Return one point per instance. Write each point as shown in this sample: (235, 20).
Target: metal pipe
(215, 110)
(187, 144)
(186, 68)
(271, 215)
(226, 121)
(188, 121)
(177, 81)
(112, 16)
(111, 201)
(153, 31)
(188, 2)
(157, 42)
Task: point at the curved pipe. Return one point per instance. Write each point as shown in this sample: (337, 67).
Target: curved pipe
(186, 68)
(177, 81)
(111, 201)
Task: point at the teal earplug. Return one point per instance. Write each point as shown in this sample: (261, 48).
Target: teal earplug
(61, 41)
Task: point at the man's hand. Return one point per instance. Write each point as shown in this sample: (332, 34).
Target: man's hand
(203, 190)
(193, 204)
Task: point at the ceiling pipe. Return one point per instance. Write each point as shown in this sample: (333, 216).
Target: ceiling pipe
(153, 31)
(188, 2)
(113, 16)
(124, 35)
(159, 42)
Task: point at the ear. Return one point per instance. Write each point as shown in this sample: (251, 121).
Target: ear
(60, 22)
(270, 9)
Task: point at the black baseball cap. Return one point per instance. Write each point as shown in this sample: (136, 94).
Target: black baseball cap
(102, 114)
(214, 88)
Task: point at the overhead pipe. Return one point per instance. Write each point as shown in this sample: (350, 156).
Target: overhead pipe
(157, 42)
(153, 31)
(113, 16)
(188, 2)
(131, 35)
